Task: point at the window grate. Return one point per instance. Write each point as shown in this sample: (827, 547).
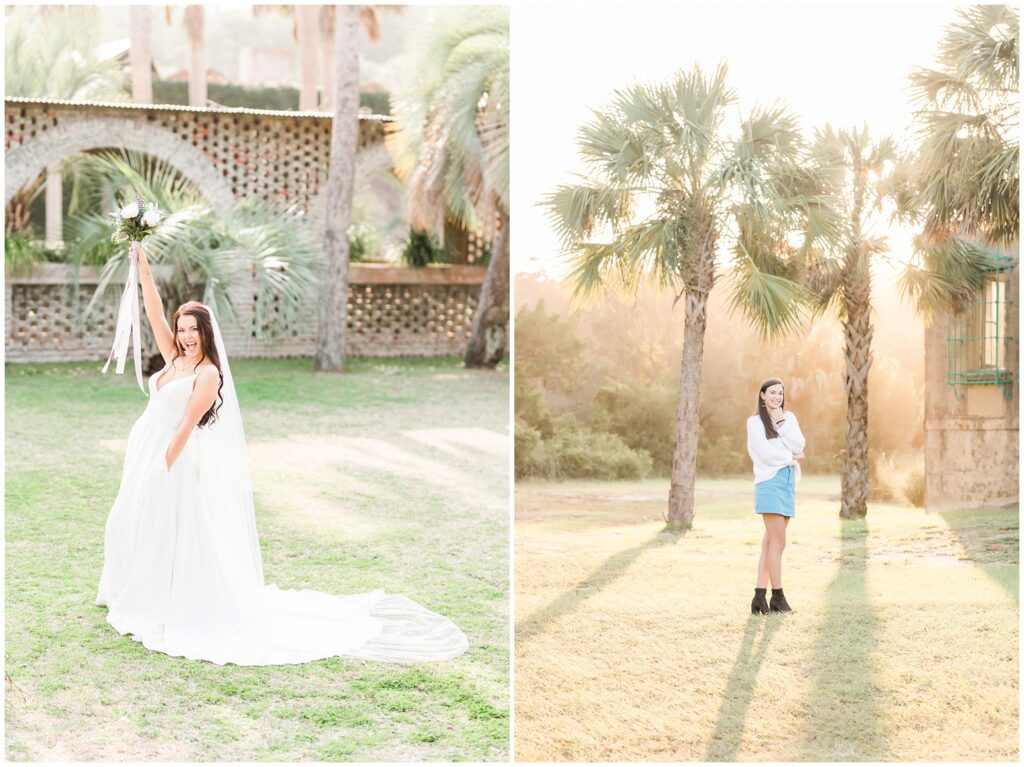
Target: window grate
(977, 338)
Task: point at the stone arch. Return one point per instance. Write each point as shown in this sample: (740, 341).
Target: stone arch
(26, 161)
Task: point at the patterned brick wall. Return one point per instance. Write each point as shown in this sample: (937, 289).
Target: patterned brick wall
(228, 153)
(393, 311)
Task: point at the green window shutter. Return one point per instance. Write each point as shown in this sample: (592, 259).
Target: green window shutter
(976, 339)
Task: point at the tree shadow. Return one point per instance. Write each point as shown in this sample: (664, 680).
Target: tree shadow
(991, 538)
(845, 710)
(612, 568)
(739, 690)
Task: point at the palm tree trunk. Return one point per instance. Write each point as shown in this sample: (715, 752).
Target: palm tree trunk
(327, 56)
(141, 55)
(330, 348)
(307, 19)
(54, 206)
(197, 60)
(684, 458)
(857, 332)
(489, 337)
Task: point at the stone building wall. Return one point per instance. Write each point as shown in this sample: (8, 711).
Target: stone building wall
(971, 443)
(392, 311)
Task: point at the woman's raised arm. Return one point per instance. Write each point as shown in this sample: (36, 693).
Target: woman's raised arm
(155, 308)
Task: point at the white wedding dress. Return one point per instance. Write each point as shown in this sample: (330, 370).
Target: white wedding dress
(182, 571)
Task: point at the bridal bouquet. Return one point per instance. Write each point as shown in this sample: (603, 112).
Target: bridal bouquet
(135, 221)
(131, 224)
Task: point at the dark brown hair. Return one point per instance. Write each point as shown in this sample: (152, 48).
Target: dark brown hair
(209, 348)
(769, 426)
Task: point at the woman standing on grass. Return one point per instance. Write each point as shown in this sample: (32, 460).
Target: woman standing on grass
(182, 571)
(776, 445)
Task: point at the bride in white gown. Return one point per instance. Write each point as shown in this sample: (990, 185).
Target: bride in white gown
(182, 571)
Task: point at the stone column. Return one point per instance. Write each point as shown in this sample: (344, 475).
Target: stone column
(54, 207)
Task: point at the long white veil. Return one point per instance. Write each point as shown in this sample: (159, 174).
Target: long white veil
(283, 625)
(224, 478)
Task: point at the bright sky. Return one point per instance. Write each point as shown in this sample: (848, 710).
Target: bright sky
(845, 64)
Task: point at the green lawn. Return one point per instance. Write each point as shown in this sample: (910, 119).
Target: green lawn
(394, 475)
(633, 643)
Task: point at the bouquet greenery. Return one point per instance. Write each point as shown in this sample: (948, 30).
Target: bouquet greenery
(135, 221)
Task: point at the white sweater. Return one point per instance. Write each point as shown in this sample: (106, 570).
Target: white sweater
(770, 455)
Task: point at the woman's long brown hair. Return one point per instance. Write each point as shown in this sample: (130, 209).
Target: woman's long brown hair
(204, 324)
(769, 426)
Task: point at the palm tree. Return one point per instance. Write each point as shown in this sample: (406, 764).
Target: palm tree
(670, 184)
(331, 338)
(207, 249)
(194, 23)
(307, 19)
(141, 53)
(451, 146)
(839, 274)
(963, 185)
(368, 22)
(327, 57)
(50, 54)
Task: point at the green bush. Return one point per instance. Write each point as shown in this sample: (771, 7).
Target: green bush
(530, 406)
(531, 458)
(22, 250)
(723, 456)
(643, 416)
(280, 98)
(575, 452)
(363, 243)
(421, 249)
(913, 488)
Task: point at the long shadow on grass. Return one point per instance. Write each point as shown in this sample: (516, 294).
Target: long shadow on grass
(991, 538)
(739, 690)
(845, 707)
(612, 568)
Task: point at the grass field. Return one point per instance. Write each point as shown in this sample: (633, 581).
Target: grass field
(394, 475)
(637, 644)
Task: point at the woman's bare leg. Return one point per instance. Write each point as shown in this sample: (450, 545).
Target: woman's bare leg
(762, 564)
(775, 533)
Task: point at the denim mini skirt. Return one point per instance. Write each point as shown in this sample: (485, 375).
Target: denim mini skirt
(778, 494)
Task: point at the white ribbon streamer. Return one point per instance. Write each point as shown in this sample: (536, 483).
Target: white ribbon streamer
(128, 322)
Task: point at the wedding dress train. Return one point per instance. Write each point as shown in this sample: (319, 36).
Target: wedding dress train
(182, 571)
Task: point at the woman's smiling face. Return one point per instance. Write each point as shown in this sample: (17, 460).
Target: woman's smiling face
(189, 340)
(773, 396)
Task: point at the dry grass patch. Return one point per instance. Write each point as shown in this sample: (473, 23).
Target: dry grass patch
(637, 644)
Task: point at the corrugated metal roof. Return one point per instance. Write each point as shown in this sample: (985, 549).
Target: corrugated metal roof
(128, 105)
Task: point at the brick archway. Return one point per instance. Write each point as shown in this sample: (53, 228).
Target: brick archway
(26, 161)
(271, 155)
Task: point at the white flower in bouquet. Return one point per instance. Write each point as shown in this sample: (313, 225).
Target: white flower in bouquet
(135, 221)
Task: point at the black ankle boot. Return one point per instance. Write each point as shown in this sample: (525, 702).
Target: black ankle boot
(779, 603)
(760, 604)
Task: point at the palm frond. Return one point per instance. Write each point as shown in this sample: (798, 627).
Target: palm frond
(577, 210)
(450, 139)
(642, 251)
(209, 250)
(968, 126)
(49, 53)
(770, 302)
(946, 275)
